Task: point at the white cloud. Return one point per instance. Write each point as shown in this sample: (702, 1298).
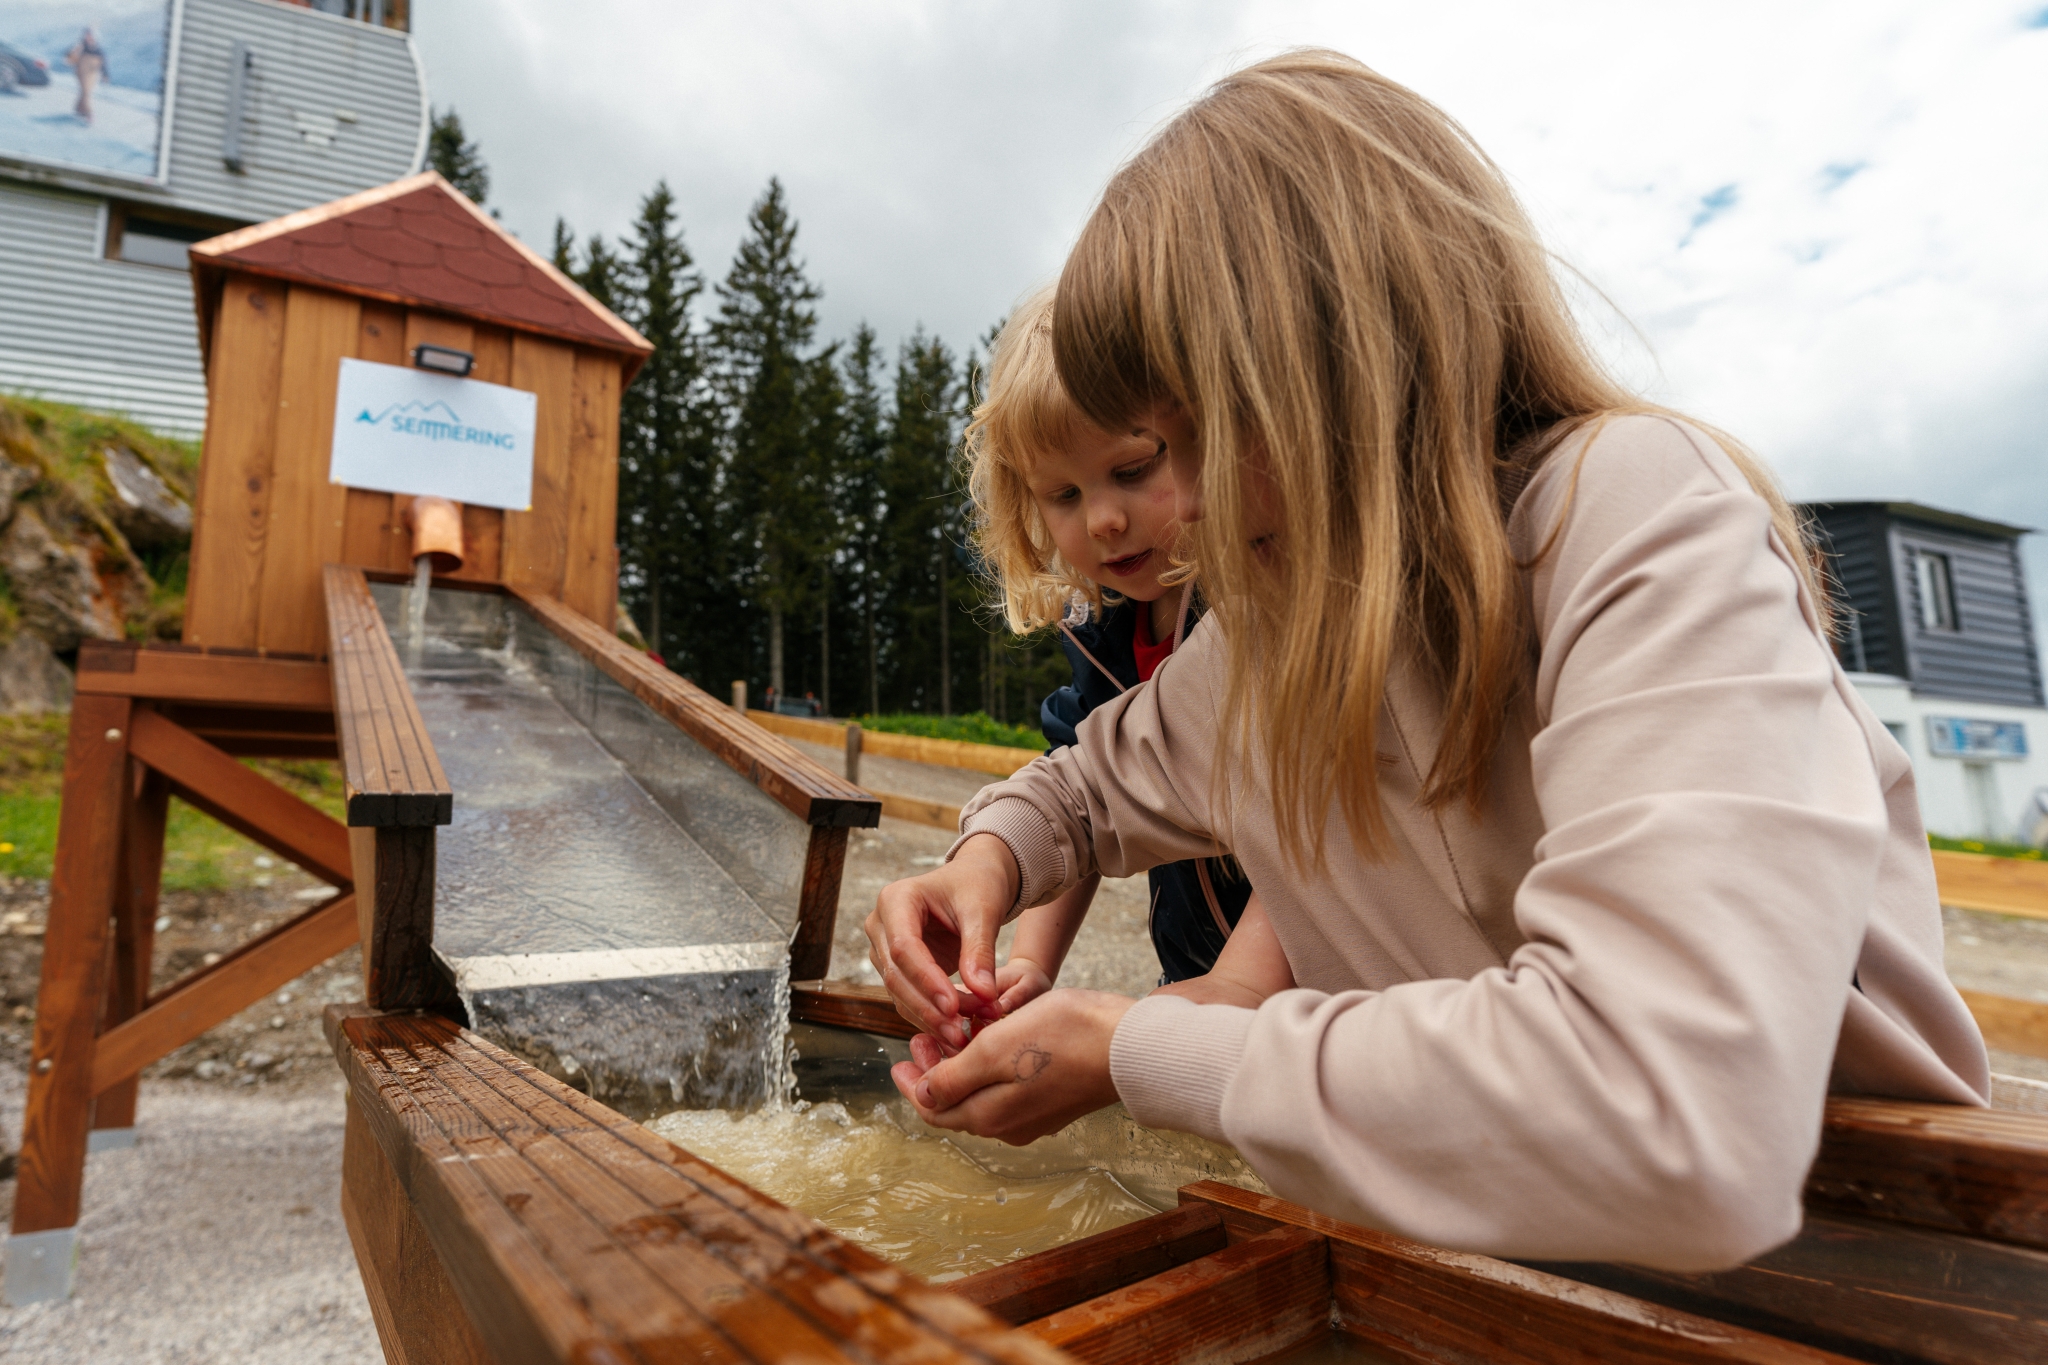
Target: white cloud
(1880, 331)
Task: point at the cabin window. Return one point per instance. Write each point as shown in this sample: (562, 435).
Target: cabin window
(142, 237)
(1937, 590)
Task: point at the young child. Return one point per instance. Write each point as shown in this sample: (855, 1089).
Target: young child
(1515, 702)
(1073, 516)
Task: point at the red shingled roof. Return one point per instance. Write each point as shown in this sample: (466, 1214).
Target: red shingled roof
(419, 242)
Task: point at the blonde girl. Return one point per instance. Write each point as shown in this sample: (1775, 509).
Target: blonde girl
(1517, 705)
(1077, 526)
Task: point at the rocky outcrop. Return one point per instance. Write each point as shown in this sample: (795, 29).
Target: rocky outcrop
(147, 510)
(31, 679)
(57, 586)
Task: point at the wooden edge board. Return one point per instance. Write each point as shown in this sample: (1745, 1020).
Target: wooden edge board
(169, 673)
(1446, 1305)
(846, 1004)
(1240, 1303)
(1063, 1276)
(809, 790)
(1873, 1290)
(1983, 1172)
(1998, 886)
(2010, 1024)
(393, 776)
(996, 760)
(449, 1108)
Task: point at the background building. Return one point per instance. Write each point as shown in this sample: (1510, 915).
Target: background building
(179, 120)
(1939, 639)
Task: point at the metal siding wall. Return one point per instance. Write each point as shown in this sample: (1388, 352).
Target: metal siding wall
(108, 335)
(1991, 656)
(1860, 567)
(308, 67)
(120, 337)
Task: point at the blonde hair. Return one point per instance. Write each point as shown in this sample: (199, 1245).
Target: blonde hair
(1340, 290)
(1026, 413)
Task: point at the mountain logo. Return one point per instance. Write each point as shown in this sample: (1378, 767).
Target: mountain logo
(434, 421)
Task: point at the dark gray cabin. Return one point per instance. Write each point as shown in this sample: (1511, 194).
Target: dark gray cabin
(1934, 597)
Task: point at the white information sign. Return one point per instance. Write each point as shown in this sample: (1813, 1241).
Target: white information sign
(402, 430)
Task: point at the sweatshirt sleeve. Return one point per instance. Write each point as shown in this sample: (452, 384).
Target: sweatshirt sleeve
(1114, 803)
(1643, 1079)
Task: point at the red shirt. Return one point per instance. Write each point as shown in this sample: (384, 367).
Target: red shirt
(1148, 655)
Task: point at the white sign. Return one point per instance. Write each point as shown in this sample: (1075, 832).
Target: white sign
(401, 430)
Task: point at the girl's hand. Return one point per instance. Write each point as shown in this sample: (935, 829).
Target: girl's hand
(922, 928)
(1028, 1075)
(1018, 982)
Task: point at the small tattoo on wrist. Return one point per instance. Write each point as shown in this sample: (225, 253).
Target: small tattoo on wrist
(1031, 1060)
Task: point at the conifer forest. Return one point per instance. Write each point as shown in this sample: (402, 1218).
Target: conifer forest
(791, 508)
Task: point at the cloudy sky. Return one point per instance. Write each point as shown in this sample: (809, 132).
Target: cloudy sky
(1819, 225)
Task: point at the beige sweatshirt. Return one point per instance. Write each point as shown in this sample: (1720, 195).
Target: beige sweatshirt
(1599, 1020)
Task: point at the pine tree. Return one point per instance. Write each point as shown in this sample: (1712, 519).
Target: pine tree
(668, 475)
(459, 162)
(864, 508)
(776, 453)
(916, 484)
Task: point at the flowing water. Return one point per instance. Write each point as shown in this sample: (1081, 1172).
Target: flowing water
(941, 1205)
(416, 605)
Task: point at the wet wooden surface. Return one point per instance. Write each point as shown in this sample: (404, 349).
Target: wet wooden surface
(570, 1233)
(390, 772)
(1982, 1172)
(1060, 1278)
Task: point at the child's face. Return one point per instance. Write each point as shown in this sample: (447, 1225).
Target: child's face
(1108, 500)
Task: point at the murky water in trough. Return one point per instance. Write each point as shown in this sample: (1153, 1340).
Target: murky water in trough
(856, 1157)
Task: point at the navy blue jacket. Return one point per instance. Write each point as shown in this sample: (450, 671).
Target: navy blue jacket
(1183, 931)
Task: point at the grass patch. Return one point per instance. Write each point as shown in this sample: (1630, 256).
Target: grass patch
(200, 853)
(1994, 847)
(976, 727)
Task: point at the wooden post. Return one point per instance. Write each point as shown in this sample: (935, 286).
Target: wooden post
(135, 905)
(43, 1249)
(739, 695)
(853, 752)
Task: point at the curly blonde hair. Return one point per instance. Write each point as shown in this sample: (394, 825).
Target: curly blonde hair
(1026, 413)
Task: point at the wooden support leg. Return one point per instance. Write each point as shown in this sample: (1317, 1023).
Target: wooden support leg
(135, 905)
(394, 878)
(43, 1248)
(810, 949)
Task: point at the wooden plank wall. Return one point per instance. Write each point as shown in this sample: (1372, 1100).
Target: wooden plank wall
(266, 517)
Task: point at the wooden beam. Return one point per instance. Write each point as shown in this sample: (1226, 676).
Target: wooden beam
(220, 678)
(1423, 1303)
(846, 1004)
(1066, 1275)
(919, 811)
(814, 793)
(2010, 1025)
(394, 869)
(1247, 1301)
(82, 887)
(391, 774)
(189, 1007)
(242, 800)
(2002, 886)
(1982, 1172)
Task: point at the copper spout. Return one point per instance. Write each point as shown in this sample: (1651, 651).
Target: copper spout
(436, 532)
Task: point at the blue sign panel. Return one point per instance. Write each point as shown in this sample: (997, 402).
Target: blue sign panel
(1960, 737)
